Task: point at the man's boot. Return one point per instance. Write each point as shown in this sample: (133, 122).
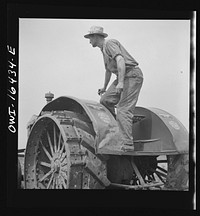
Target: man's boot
(114, 141)
(127, 147)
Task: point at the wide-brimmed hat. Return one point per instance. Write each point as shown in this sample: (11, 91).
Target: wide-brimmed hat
(96, 30)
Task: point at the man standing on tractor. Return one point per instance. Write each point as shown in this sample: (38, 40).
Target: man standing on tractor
(124, 91)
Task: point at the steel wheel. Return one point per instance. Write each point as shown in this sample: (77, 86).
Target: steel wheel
(165, 172)
(170, 172)
(151, 169)
(51, 167)
(60, 154)
(47, 157)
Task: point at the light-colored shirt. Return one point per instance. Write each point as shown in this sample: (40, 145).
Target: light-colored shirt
(111, 49)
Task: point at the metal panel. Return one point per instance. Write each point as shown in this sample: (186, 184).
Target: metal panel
(102, 120)
(171, 135)
(160, 124)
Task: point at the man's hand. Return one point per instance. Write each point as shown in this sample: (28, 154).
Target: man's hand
(119, 87)
(101, 91)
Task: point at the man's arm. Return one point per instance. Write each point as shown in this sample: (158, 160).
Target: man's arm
(121, 73)
(106, 81)
(107, 78)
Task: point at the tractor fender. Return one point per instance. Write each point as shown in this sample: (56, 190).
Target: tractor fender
(159, 124)
(102, 120)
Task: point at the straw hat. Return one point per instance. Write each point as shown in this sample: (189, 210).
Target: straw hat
(96, 30)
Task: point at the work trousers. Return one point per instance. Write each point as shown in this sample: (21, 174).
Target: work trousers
(126, 102)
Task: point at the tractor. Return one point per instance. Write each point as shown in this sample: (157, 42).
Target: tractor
(63, 152)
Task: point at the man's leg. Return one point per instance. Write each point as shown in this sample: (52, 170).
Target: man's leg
(126, 106)
(123, 133)
(109, 99)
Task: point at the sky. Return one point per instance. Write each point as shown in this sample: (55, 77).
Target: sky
(54, 56)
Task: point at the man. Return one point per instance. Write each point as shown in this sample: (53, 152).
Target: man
(124, 91)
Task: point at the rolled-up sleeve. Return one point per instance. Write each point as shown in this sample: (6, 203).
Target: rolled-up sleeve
(113, 49)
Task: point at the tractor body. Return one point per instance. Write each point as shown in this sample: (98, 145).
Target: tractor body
(63, 150)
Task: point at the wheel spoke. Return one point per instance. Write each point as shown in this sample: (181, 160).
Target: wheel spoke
(59, 183)
(63, 157)
(54, 136)
(153, 177)
(56, 183)
(50, 181)
(46, 152)
(62, 148)
(45, 164)
(61, 154)
(46, 175)
(141, 180)
(64, 175)
(53, 184)
(64, 162)
(64, 169)
(160, 168)
(161, 174)
(158, 174)
(50, 144)
(59, 141)
(63, 182)
(149, 176)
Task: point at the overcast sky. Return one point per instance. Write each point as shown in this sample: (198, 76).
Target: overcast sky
(54, 56)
